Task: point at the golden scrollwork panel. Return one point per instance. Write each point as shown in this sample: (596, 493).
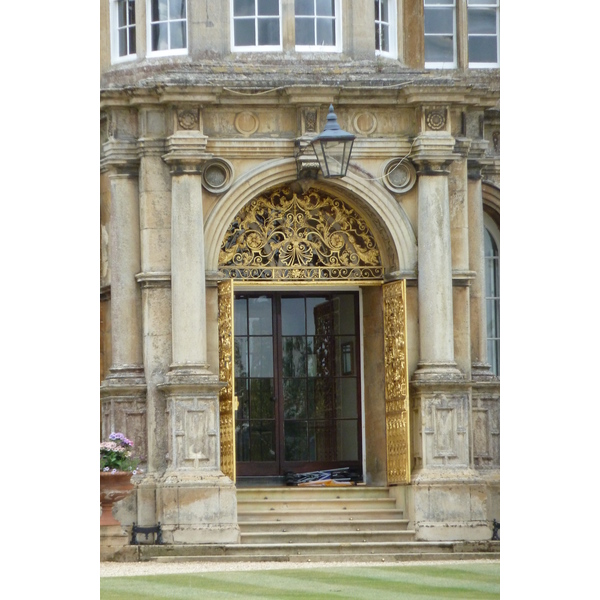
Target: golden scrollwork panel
(396, 383)
(226, 373)
(283, 235)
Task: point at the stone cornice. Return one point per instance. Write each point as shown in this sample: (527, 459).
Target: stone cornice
(158, 279)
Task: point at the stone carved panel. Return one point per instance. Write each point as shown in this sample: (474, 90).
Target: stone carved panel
(486, 430)
(126, 415)
(193, 433)
(365, 123)
(445, 423)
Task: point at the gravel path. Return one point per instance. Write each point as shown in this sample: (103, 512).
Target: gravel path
(115, 569)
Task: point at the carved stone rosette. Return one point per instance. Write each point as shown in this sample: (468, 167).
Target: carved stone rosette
(396, 383)
(226, 395)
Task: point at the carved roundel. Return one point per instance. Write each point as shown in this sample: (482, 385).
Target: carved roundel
(187, 119)
(365, 123)
(217, 175)
(246, 122)
(436, 119)
(399, 175)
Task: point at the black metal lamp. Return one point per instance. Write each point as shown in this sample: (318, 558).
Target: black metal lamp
(333, 147)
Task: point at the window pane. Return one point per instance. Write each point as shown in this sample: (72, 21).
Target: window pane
(131, 5)
(262, 440)
(311, 304)
(240, 316)
(305, 32)
(243, 8)
(483, 49)
(160, 37)
(326, 8)
(296, 440)
(268, 32)
(439, 2)
(122, 42)
(439, 21)
(294, 356)
(268, 7)
(377, 34)
(262, 399)
(294, 398)
(384, 10)
(482, 20)
(178, 37)
(325, 32)
(377, 10)
(261, 357)
(131, 40)
(439, 49)
(159, 10)
(121, 13)
(243, 32)
(292, 316)
(241, 356)
(488, 2)
(260, 316)
(241, 391)
(305, 7)
(347, 440)
(177, 9)
(385, 38)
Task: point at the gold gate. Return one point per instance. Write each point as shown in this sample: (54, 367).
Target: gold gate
(396, 383)
(226, 373)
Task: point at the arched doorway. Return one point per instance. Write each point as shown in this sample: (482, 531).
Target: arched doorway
(298, 262)
(296, 349)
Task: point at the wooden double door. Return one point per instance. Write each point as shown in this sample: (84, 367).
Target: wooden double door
(297, 382)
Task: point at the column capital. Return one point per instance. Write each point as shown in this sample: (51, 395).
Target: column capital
(433, 153)
(186, 152)
(151, 146)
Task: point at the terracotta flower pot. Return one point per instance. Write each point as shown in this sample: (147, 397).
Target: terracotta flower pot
(113, 487)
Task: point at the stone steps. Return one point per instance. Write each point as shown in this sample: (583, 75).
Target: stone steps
(339, 525)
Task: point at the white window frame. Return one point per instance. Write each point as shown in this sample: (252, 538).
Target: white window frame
(169, 51)
(488, 5)
(494, 232)
(256, 47)
(114, 34)
(442, 4)
(338, 32)
(392, 28)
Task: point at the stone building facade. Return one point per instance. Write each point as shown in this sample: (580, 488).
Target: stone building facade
(259, 318)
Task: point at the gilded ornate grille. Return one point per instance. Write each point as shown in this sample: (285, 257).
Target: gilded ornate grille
(312, 236)
(396, 383)
(226, 395)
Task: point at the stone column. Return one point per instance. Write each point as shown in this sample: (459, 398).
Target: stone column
(123, 391)
(443, 481)
(196, 501)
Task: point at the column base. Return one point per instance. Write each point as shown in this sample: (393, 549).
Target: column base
(197, 508)
(437, 372)
(482, 372)
(452, 505)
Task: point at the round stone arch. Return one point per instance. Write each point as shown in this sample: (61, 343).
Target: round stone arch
(389, 223)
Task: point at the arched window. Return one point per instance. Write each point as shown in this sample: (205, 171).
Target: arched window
(492, 292)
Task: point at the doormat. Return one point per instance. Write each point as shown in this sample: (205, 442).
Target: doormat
(327, 477)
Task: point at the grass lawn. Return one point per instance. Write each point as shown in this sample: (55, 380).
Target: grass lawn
(480, 581)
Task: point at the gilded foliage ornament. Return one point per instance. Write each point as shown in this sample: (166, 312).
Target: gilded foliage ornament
(312, 235)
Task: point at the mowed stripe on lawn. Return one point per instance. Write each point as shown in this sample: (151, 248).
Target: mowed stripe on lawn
(402, 582)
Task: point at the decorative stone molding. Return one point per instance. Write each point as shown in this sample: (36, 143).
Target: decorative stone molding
(154, 280)
(462, 146)
(186, 152)
(217, 175)
(309, 120)
(436, 119)
(246, 123)
(365, 123)
(187, 119)
(399, 175)
(120, 156)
